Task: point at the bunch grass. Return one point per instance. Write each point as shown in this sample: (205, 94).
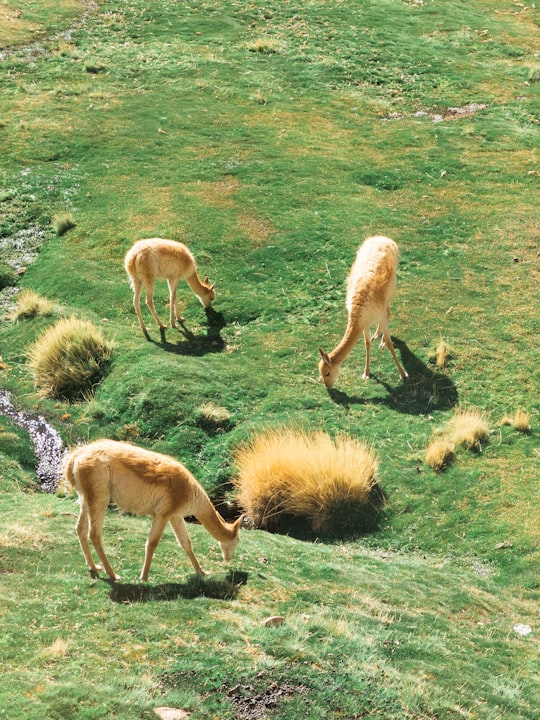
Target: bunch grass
(439, 453)
(469, 428)
(70, 359)
(63, 222)
(520, 421)
(30, 304)
(289, 472)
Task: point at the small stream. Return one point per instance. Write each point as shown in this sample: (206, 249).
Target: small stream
(48, 445)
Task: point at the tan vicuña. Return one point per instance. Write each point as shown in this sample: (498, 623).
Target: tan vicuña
(157, 259)
(371, 285)
(141, 482)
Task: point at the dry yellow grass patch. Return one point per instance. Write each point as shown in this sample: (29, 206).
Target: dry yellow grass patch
(218, 193)
(439, 453)
(14, 28)
(58, 649)
(264, 45)
(69, 359)
(255, 229)
(20, 536)
(443, 354)
(469, 428)
(30, 304)
(520, 421)
(289, 472)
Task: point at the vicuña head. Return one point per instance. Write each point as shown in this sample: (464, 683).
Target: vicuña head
(158, 259)
(371, 285)
(141, 482)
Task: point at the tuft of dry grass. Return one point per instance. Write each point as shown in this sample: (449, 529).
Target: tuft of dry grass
(69, 359)
(443, 354)
(469, 428)
(439, 453)
(30, 304)
(63, 222)
(213, 417)
(265, 46)
(288, 472)
(520, 421)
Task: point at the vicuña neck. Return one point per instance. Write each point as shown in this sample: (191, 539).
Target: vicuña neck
(346, 344)
(195, 283)
(214, 523)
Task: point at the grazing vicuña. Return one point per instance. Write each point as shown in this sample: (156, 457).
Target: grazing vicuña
(158, 259)
(371, 285)
(141, 482)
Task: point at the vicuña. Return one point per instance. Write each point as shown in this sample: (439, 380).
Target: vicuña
(371, 285)
(158, 259)
(141, 482)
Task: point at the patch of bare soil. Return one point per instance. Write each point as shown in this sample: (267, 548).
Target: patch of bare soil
(252, 705)
(450, 113)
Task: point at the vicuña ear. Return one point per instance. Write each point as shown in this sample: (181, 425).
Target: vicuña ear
(325, 357)
(206, 280)
(212, 286)
(238, 523)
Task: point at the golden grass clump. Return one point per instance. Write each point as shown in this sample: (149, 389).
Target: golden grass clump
(265, 46)
(213, 417)
(443, 354)
(520, 421)
(30, 304)
(469, 428)
(70, 359)
(63, 222)
(287, 473)
(439, 453)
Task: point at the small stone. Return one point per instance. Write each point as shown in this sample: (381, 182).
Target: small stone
(167, 713)
(274, 620)
(522, 629)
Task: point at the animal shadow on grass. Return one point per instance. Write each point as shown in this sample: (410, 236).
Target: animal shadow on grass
(191, 344)
(423, 391)
(196, 586)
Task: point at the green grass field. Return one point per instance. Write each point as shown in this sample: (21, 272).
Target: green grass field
(272, 138)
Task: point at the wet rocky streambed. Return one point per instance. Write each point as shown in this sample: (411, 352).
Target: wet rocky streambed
(48, 446)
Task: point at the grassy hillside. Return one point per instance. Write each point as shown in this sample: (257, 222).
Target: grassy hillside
(273, 138)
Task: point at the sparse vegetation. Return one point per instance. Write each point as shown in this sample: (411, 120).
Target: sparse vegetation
(291, 473)
(70, 359)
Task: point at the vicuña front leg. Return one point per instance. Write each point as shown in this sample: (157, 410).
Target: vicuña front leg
(367, 343)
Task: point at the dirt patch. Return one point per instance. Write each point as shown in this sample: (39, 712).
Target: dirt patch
(437, 116)
(252, 705)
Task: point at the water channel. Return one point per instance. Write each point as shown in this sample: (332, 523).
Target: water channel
(48, 446)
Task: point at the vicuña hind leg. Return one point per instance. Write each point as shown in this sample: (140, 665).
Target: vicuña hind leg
(180, 530)
(156, 531)
(96, 516)
(390, 346)
(174, 315)
(82, 532)
(150, 303)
